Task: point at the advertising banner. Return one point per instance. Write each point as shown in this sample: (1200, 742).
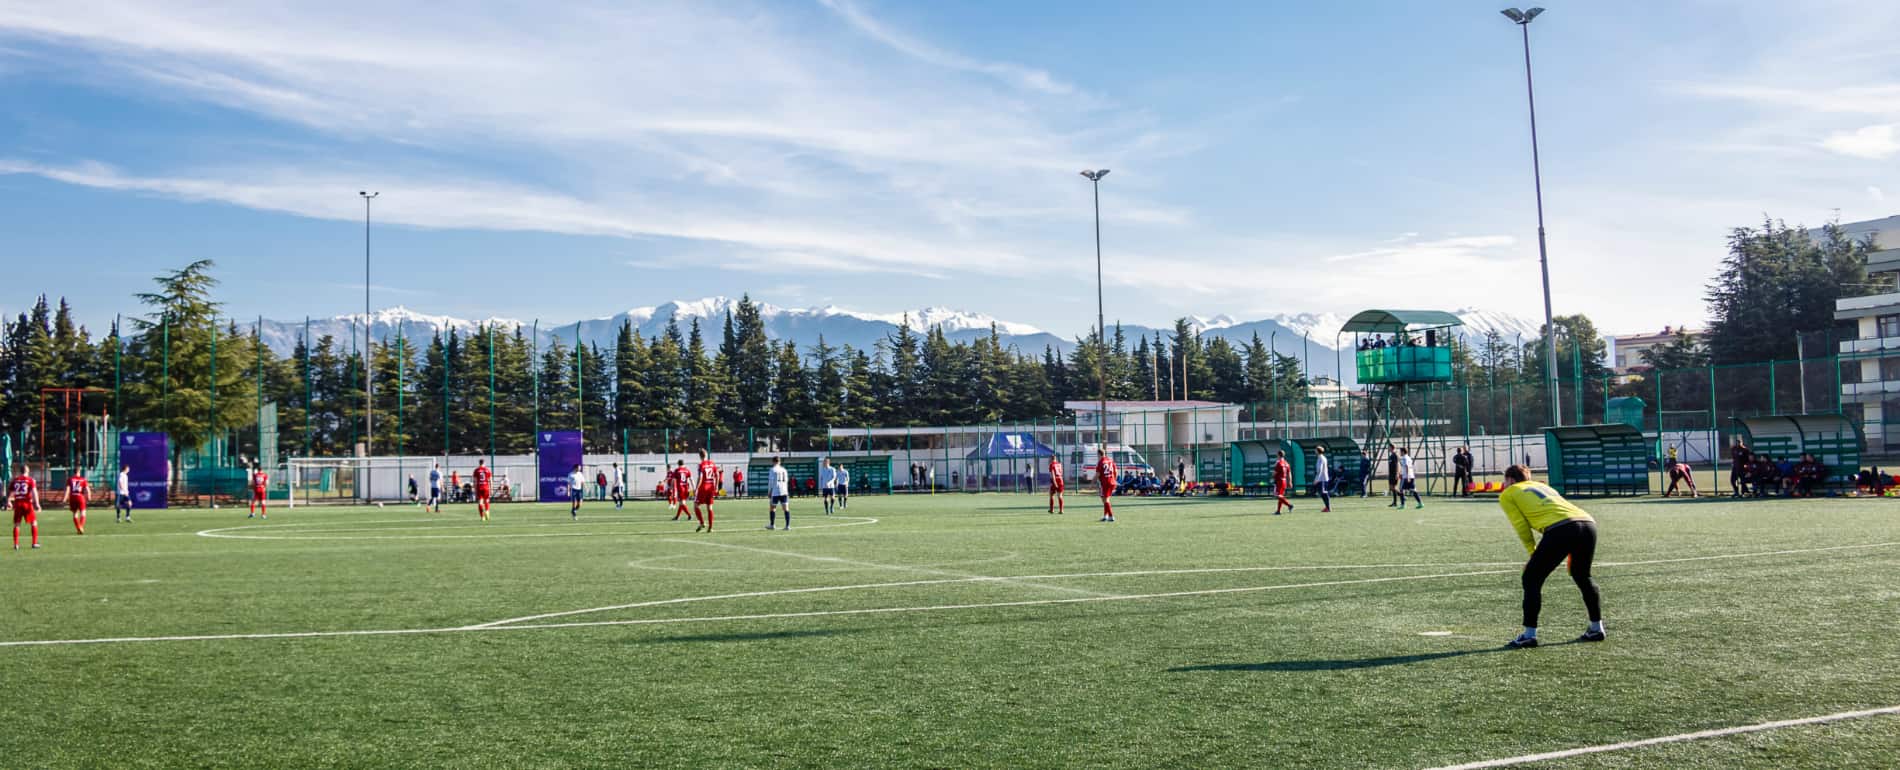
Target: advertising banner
(147, 458)
(559, 451)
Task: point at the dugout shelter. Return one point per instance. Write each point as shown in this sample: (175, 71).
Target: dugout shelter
(1597, 460)
(1833, 439)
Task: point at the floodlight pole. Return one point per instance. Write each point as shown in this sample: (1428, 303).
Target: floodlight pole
(369, 379)
(1523, 20)
(1101, 321)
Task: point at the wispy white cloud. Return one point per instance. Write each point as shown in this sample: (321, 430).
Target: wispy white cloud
(1875, 142)
(1874, 192)
(1014, 74)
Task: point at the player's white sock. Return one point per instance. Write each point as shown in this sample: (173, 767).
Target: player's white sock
(1596, 626)
(1530, 632)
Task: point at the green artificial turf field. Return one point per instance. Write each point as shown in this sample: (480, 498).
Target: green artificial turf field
(945, 631)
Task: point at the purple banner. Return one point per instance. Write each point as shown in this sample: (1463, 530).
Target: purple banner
(147, 459)
(559, 451)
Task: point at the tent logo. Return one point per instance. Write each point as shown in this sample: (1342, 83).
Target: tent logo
(1015, 440)
(547, 437)
(129, 439)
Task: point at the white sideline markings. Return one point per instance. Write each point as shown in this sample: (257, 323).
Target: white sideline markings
(1678, 738)
(516, 623)
(896, 567)
(305, 531)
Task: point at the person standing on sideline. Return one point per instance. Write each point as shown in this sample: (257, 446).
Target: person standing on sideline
(779, 492)
(620, 487)
(827, 484)
(1105, 481)
(1180, 471)
(122, 495)
(1323, 479)
(1739, 458)
(1461, 472)
(1282, 482)
(1568, 534)
(576, 492)
(1365, 475)
(1408, 479)
(435, 489)
(738, 482)
(1392, 476)
(600, 483)
(844, 487)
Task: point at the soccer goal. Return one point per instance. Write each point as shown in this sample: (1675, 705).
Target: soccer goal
(347, 480)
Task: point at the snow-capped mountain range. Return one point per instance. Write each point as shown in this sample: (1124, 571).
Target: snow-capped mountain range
(861, 330)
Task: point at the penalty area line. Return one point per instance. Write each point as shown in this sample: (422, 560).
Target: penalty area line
(1678, 738)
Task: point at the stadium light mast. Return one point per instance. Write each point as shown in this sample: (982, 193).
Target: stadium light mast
(1101, 320)
(369, 381)
(1523, 21)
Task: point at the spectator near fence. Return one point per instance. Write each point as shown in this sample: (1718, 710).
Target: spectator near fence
(1739, 459)
(1461, 472)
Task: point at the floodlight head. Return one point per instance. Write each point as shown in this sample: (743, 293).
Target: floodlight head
(1514, 15)
(1102, 173)
(1532, 13)
(1095, 176)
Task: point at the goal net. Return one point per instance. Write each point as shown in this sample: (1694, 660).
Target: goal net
(361, 480)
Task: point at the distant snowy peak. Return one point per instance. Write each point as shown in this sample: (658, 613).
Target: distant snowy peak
(948, 319)
(710, 308)
(1221, 321)
(1479, 322)
(1319, 326)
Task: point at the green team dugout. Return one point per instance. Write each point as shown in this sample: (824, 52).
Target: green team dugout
(1833, 440)
(868, 474)
(1250, 463)
(1598, 460)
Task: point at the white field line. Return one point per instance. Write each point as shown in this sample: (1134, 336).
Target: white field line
(517, 624)
(303, 531)
(894, 567)
(760, 616)
(1678, 738)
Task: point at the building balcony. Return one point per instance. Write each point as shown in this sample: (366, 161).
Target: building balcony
(1860, 348)
(1879, 389)
(1870, 305)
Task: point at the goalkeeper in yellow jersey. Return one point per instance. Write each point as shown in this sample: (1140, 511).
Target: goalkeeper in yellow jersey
(1568, 534)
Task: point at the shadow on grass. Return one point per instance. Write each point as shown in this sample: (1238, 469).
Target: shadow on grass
(759, 636)
(1337, 665)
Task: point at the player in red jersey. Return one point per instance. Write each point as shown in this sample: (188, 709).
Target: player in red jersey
(77, 490)
(1055, 485)
(708, 488)
(258, 482)
(1282, 482)
(679, 490)
(483, 478)
(24, 494)
(1105, 480)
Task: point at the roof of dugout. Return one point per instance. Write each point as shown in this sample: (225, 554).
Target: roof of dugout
(1395, 321)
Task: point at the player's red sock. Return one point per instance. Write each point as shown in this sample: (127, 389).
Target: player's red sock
(16, 537)
(79, 522)
(36, 534)
(709, 513)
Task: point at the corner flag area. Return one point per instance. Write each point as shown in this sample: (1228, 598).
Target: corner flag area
(952, 631)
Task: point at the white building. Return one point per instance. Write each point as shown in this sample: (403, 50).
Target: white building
(1870, 363)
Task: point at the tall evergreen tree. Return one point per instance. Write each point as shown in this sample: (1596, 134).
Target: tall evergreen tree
(174, 392)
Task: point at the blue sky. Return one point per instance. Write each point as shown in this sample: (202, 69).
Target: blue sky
(1267, 157)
